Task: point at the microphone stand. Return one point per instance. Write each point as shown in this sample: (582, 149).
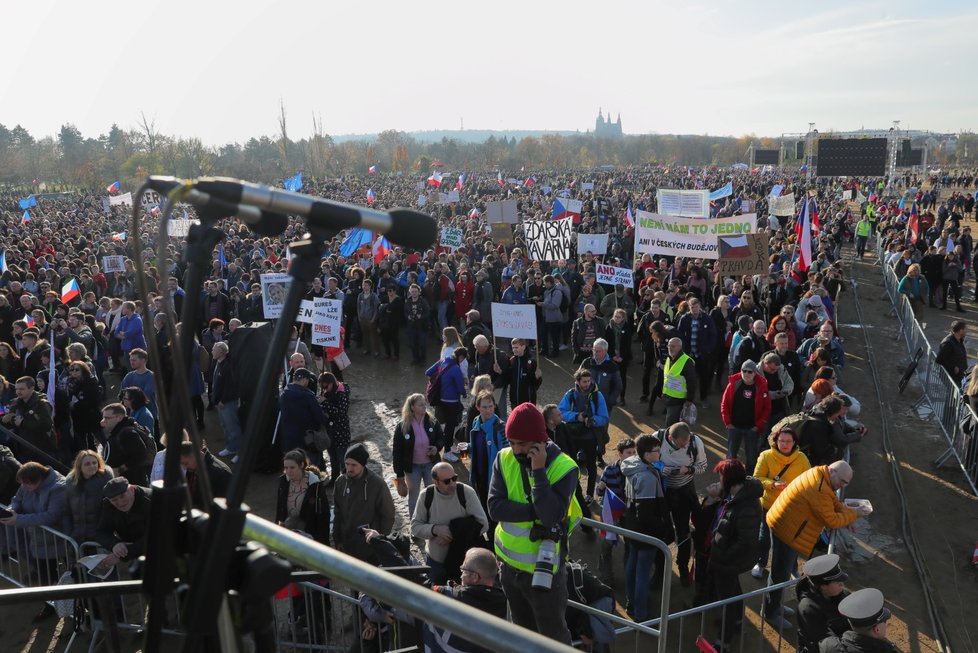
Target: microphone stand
(226, 523)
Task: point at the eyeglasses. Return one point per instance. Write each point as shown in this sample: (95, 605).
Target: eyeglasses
(449, 480)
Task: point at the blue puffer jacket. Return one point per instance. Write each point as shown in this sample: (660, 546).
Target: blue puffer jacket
(300, 412)
(44, 506)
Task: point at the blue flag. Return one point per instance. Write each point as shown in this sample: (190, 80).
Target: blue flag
(903, 202)
(221, 257)
(294, 184)
(3, 262)
(28, 202)
(722, 192)
(776, 191)
(357, 239)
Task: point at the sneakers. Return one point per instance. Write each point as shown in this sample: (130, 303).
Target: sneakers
(757, 571)
(450, 457)
(223, 453)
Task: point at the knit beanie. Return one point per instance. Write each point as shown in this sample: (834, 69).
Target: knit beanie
(526, 424)
(358, 452)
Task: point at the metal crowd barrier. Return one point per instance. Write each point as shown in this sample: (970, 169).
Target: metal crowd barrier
(941, 393)
(35, 556)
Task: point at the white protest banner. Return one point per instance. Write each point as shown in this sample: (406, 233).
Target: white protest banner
(597, 244)
(307, 310)
(746, 206)
(150, 199)
(113, 264)
(548, 240)
(514, 321)
(783, 205)
(274, 287)
(448, 198)
(505, 211)
(695, 237)
(587, 185)
(327, 318)
(546, 190)
(179, 228)
(116, 200)
(451, 237)
(611, 275)
(686, 203)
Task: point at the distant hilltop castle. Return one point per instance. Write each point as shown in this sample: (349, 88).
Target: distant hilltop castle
(603, 129)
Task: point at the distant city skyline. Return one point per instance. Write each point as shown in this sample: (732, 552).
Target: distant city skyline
(753, 67)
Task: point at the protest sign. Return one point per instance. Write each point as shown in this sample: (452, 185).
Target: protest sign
(514, 321)
(502, 234)
(179, 228)
(451, 237)
(113, 264)
(855, 208)
(548, 241)
(743, 254)
(502, 212)
(746, 206)
(587, 185)
(611, 275)
(686, 203)
(327, 319)
(448, 198)
(597, 244)
(116, 200)
(274, 287)
(783, 205)
(149, 200)
(675, 236)
(307, 311)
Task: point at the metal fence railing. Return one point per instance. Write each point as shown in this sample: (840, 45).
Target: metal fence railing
(940, 392)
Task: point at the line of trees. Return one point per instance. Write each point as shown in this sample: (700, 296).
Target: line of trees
(72, 159)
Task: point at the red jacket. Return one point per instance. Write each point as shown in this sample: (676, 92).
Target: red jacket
(762, 401)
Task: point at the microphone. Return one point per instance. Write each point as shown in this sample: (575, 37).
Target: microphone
(263, 223)
(402, 226)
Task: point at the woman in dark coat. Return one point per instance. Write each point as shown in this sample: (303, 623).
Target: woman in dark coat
(302, 502)
(734, 547)
(335, 401)
(84, 395)
(83, 494)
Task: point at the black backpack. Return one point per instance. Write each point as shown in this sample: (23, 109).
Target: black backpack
(429, 496)
(149, 443)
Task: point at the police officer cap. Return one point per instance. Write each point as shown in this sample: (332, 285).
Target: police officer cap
(864, 608)
(825, 569)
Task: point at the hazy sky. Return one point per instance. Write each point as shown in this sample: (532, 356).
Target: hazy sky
(217, 70)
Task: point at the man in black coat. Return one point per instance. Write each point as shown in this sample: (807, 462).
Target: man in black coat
(124, 522)
(125, 448)
(217, 472)
(952, 355)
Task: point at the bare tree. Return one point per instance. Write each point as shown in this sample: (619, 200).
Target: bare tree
(283, 140)
(152, 136)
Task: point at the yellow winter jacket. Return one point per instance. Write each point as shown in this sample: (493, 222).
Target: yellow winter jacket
(770, 463)
(804, 508)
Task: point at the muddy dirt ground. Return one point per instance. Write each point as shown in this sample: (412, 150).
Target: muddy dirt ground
(940, 511)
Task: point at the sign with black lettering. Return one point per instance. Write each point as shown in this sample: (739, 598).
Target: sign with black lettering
(548, 240)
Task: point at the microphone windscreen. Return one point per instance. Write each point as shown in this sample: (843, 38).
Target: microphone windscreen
(412, 229)
(270, 224)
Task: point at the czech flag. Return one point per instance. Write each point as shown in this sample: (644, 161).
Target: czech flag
(26, 217)
(530, 181)
(435, 179)
(70, 291)
(372, 170)
(629, 218)
(113, 187)
(803, 231)
(381, 249)
(499, 180)
(460, 182)
(370, 196)
(119, 236)
(914, 224)
(474, 213)
(154, 211)
(29, 320)
(611, 511)
(566, 207)
(734, 246)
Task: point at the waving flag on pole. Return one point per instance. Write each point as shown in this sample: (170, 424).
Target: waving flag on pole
(27, 202)
(567, 208)
(3, 262)
(222, 257)
(914, 224)
(499, 179)
(803, 231)
(474, 213)
(29, 320)
(357, 239)
(293, 183)
(372, 170)
(629, 218)
(370, 196)
(381, 249)
(119, 236)
(460, 182)
(70, 291)
(816, 224)
(530, 181)
(435, 179)
(113, 187)
(903, 203)
(611, 511)
(26, 217)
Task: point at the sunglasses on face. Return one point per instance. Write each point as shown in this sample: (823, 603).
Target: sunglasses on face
(449, 480)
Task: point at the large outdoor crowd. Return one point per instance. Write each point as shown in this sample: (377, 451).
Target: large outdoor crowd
(763, 351)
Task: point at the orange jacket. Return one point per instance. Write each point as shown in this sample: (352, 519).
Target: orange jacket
(804, 508)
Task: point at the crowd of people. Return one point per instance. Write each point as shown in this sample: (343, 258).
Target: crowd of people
(78, 388)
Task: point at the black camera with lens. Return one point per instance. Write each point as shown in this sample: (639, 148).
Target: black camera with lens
(539, 532)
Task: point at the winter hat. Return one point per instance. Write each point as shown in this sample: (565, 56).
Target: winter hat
(526, 424)
(115, 487)
(358, 452)
(743, 323)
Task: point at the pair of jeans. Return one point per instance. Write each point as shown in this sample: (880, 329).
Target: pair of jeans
(639, 567)
(783, 561)
(228, 414)
(420, 473)
(442, 314)
(416, 339)
(749, 438)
